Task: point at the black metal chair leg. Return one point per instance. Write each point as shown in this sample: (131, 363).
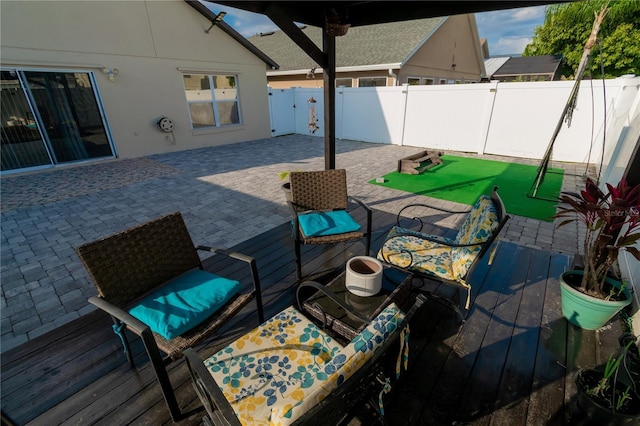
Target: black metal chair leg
(298, 262)
(447, 304)
(368, 249)
(161, 374)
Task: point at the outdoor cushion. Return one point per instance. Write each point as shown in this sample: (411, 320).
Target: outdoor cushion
(327, 223)
(477, 228)
(406, 248)
(410, 249)
(278, 371)
(184, 302)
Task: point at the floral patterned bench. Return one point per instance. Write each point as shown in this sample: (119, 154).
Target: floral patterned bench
(284, 371)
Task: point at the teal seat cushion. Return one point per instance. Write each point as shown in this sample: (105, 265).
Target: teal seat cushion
(327, 223)
(184, 302)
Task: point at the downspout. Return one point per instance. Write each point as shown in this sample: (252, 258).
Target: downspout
(394, 76)
(404, 114)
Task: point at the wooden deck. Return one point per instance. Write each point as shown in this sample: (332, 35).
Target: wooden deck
(511, 363)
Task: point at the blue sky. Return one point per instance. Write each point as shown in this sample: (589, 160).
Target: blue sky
(507, 31)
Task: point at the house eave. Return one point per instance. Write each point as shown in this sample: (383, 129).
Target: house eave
(357, 68)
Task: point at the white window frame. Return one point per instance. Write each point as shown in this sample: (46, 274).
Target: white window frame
(213, 101)
(386, 82)
(338, 81)
(421, 81)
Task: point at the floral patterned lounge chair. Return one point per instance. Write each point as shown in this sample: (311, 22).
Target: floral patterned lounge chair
(448, 260)
(289, 371)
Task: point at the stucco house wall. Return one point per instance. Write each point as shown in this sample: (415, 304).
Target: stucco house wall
(452, 52)
(152, 44)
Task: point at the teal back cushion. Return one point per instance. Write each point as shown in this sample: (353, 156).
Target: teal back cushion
(327, 223)
(184, 302)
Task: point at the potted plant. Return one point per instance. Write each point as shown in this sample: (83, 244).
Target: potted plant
(286, 186)
(592, 296)
(609, 394)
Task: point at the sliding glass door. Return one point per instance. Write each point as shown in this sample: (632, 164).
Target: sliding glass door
(21, 145)
(50, 117)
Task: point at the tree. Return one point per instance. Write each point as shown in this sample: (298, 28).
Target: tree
(566, 29)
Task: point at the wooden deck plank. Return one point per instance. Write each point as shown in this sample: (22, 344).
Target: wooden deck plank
(459, 364)
(546, 402)
(516, 382)
(514, 326)
(66, 375)
(489, 366)
(435, 327)
(16, 373)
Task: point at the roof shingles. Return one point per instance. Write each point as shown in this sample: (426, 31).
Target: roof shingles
(368, 45)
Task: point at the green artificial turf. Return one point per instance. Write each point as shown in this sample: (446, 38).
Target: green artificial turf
(463, 180)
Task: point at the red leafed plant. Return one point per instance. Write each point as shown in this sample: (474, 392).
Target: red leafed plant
(612, 219)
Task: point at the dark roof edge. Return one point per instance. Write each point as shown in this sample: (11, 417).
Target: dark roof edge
(204, 11)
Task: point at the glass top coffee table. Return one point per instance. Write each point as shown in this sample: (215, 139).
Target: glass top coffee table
(396, 287)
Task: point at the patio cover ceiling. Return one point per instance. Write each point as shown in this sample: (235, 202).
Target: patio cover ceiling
(335, 17)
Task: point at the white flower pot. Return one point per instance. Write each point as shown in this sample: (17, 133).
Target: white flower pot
(364, 276)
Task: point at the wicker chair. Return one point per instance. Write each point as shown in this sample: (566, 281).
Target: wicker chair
(317, 194)
(129, 267)
(447, 260)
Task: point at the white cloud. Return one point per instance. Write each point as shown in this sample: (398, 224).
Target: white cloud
(249, 24)
(528, 14)
(510, 45)
(503, 18)
(509, 31)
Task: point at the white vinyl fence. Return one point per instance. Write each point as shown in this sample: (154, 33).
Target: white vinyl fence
(511, 119)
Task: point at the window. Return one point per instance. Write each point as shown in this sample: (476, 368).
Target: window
(372, 82)
(443, 81)
(415, 81)
(346, 82)
(212, 100)
(51, 117)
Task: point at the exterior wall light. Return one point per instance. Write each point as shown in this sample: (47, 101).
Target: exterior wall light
(110, 72)
(217, 19)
